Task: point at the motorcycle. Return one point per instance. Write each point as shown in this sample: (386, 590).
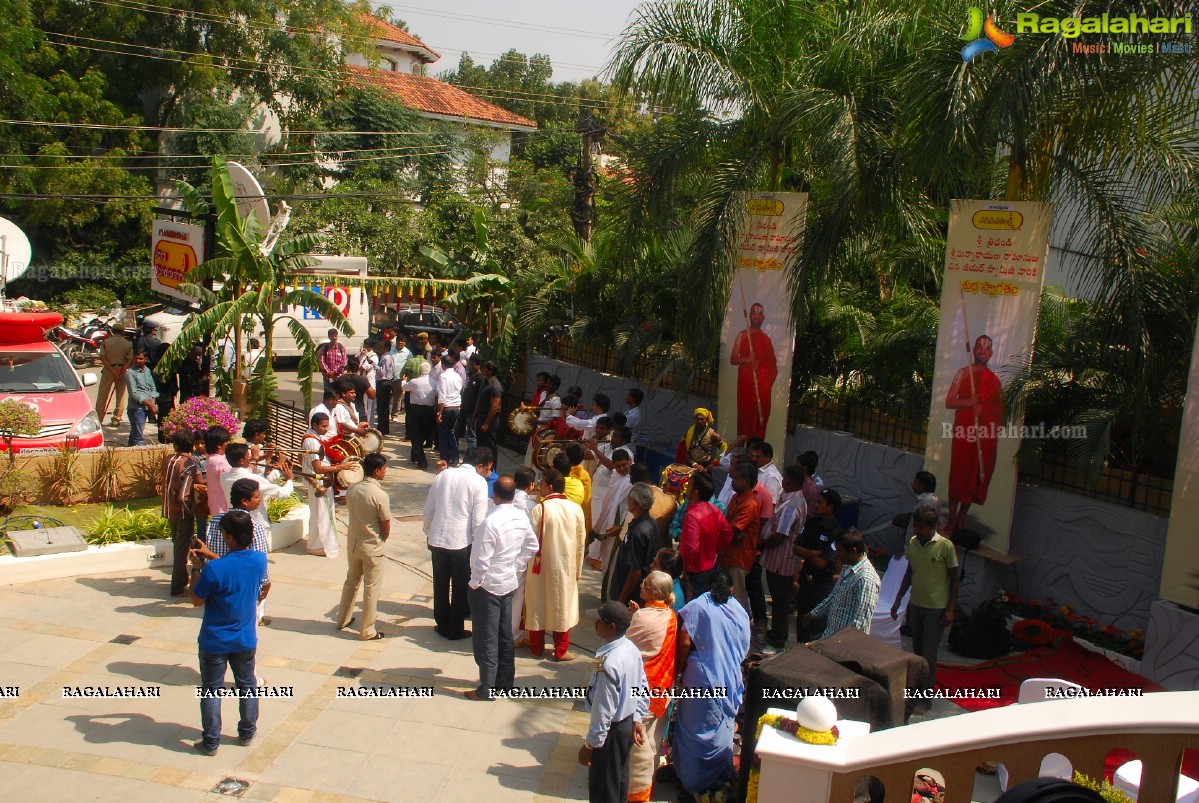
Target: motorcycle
(81, 349)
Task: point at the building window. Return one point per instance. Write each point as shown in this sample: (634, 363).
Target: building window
(387, 65)
(416, 68)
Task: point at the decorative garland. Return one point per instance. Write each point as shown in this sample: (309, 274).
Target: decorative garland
(787, 725)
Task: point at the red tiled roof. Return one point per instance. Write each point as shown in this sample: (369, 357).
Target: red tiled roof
(437, 97)
(393, 33)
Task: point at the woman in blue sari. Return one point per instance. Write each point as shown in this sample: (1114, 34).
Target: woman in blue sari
(713, 641)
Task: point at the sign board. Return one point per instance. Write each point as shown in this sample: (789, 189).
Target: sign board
(758, 337)
(176, 248)
(994, 271)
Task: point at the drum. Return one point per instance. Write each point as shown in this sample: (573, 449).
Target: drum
(543, 458)
(676, 480)
(541, 438)
(348, 476)
(372, 441)
(522, 421)
(342, 449)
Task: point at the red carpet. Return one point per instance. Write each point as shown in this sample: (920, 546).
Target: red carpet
(1062, 658)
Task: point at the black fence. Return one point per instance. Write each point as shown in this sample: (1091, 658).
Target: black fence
(288, 422)
(1129, 488)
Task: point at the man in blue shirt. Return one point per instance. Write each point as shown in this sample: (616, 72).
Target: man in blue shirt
(229, 588)
(617, 697)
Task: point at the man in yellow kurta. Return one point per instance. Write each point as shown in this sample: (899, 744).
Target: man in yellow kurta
(552, 579)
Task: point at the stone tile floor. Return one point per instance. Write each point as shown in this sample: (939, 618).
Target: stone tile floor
(123, 630)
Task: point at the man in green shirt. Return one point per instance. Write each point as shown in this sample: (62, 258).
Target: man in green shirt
(934, 579)
(409, 371)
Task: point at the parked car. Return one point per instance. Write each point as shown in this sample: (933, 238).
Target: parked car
(410, 319)
(34, 371)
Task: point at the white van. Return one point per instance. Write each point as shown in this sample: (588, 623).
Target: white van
(354, 303)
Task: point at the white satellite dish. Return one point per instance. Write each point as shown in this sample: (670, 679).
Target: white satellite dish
(15, 251)
(251, 200)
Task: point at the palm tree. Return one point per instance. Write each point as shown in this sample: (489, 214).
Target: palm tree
(869, 108)
(254, 276)
(797, 96)
(483, 280)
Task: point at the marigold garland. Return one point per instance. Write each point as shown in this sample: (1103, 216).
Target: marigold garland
(787, 725)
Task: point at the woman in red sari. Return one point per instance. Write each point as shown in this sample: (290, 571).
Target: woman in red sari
(653, 631)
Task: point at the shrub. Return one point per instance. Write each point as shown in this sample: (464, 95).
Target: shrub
(114, 526)
(276, 509)
(198, 414)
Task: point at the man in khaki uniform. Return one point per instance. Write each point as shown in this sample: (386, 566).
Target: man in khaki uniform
(116, 355)
(369, 528)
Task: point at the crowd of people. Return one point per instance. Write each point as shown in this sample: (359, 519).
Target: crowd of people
(684, 575)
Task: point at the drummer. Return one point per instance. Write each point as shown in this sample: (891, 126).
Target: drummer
(345, 414)
(322, 533)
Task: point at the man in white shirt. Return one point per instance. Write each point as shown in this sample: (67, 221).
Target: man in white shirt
(368, 366)
(422, 413)
(503, 546)
(762, 455)
(326, 406)
(524, 500)
(454, 509)
(345, 412)
(449, 407)
(238, 455)
(612, 509)
(470, 349)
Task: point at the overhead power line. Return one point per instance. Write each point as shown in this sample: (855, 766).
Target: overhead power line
(510, 95)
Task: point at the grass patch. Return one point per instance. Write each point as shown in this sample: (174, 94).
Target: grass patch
(83, 516)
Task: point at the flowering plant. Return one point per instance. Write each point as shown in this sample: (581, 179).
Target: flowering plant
(198, 414)
(1064, 617)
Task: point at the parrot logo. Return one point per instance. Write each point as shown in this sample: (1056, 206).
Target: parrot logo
(976, 28)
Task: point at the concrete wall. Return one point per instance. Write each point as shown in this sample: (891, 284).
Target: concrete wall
(137, 472)
(1104, 559)
(665, 414)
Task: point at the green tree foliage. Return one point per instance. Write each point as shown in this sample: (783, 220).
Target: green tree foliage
(255, 272)
(72, 238)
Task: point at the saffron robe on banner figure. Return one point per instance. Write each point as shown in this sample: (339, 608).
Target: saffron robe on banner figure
(965, 484)
(757, 368)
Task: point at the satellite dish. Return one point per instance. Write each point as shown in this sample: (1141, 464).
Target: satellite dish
(15, 251)
(251, 200)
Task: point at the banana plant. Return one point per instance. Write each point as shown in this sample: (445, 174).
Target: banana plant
(256, 279)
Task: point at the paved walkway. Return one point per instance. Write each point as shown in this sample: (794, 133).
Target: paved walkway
(123, 630)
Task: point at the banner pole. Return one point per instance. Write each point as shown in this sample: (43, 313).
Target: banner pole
(978, 444)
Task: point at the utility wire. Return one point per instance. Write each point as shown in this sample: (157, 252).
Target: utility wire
(479, 91)
(268, 164)
(144, 5)
(133, 5)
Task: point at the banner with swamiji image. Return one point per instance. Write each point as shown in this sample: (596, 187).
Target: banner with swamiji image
(994, 271)
(758, 336)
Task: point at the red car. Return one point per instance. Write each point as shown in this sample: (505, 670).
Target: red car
(34, 371)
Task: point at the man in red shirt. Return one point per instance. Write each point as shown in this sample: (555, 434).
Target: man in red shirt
(745, 517)
(706, 532)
